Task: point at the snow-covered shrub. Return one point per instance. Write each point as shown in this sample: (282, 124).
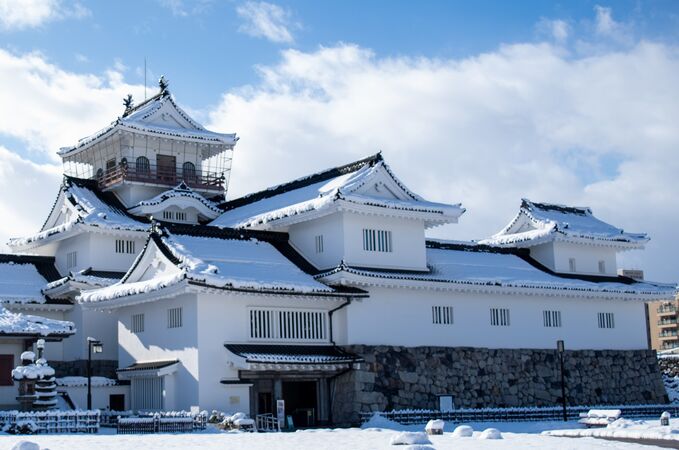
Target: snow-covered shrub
(22, 427)
(410, 438)
(463, 431)
(216, 417)
(434, 427)
(26, 445)
(491, 433)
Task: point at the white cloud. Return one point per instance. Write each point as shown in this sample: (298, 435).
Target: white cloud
(524, 120)
(557, 29)
(605, 24)
(266, 20)
(47, 107)
(181, 8)
(29, 190)
(21, 14)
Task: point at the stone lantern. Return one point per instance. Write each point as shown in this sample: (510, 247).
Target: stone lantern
(37, 387)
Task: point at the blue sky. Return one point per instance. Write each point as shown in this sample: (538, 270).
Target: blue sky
(481, 102)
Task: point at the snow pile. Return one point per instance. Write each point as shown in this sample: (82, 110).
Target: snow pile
(26, 445)
(435, 426)
(20, 324)
(82, 381)
(490, 433)
(463, 431)
(409, 438)
(32, 372)
(626, 429)
(20, 283)
(378, 421)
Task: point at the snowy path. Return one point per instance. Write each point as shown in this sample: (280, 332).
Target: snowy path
(350, 439)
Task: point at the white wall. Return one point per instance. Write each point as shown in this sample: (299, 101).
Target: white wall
(100, 395)
(587, 258)
(101, 325)
(407, 241)
(405, 318)
(303, 238)
(103, 256)
(158, 342)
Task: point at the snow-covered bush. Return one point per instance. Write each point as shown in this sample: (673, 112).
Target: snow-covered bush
(491, 433)
(22, 427)
(26, 445)
(435, 426)
(463, 431)
(410, 438)
(216, 417)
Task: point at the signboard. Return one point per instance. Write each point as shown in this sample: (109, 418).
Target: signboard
(280, 412)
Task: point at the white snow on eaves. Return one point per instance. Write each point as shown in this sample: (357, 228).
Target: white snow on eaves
(82, 381)
(20, 283)
(121, 289)
(18, 323)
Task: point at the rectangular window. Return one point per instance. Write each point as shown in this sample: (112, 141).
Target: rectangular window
(377, 240)
(442, 315)
(138, 323)
(499, 317)
(606, 320)
(167, 215)
(123, 246)
(180, 216)
(571, 264)
(551, 319)
(319, 243)
(174, 317)
(71, 260)
(602, 266)
(288, 325)
(110, 164)
(6, 367)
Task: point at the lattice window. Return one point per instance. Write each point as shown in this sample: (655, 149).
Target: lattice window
(124, 246)
(377, 240)
(288, 324)
(606, 320)
(174, 317)
(71, 260)
(499, 317)
(442, 315)
(319, 243)
(138, 323)
(551, 319)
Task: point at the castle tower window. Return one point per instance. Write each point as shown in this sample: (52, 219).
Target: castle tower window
(189, 172)
(571, 264)
(143, 166)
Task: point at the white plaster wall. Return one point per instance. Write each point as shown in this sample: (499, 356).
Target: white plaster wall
(405, 318)
(101, 325)
(79, 244)
(131, 194)
(158, 342)
(544, 254)
(408, 244)
(100, 395)
(103, 256)
(587, 258)
(303, 238)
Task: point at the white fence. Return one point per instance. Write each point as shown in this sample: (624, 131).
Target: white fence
(51, 422)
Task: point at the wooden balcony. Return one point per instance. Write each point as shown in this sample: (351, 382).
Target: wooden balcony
(161, 175)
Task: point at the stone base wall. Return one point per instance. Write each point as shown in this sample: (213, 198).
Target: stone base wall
(413, 377)
(100, 368)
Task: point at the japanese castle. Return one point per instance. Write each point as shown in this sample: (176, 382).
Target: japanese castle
(324, 291)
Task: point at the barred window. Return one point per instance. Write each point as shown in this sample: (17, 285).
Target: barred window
(288, 325)
(499, 317)
(71, 260)
(551, 319)
(174, 317)
(377, 240)
(137, 323)
(571, 264)
(180, 216)
(124, 246)
(442, 315)
(167, 215)
(602, 266)
(319, 243)
(606, 320)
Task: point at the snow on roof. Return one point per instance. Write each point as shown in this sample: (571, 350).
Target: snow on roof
(23, 276)
(137, 119)
(91, 207)
(480, 265)
(74, 381)
(319, 191)
(179, 191)
(18, 324)
(545, 220)
(239, 263)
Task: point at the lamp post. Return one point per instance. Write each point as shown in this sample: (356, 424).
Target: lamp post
(93, 346)
(560, 348)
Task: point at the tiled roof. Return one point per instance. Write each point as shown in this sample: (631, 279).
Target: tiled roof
(151, 365)
(292, 354)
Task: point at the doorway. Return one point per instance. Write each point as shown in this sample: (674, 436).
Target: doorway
(301, 402)
(167, 168)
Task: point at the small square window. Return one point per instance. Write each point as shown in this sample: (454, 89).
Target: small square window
(499, 317)
(551, 319)
(442, 315)
(138, 323)
(174, 317)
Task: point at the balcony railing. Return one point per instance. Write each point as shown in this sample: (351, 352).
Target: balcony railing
(668, 334)
(663, 322)
(168, 176)
(667, 309)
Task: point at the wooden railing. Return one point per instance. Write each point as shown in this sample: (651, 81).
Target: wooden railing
(168, 176)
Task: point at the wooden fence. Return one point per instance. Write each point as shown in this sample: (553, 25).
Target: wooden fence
(52, 422)
(536, 414)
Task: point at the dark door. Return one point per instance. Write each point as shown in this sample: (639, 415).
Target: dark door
(300, 402)
(167, 168)
(264, 403)
(116, 402)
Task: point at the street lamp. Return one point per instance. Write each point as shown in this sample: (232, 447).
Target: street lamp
(560, 348)
(93, 346)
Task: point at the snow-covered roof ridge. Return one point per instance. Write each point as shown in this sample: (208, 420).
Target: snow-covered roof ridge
(138, 119)
(88, 206)
(229, 259)
(345, 186)
(22, 277)
(542, 222)
(18, 324)
(469, 265)
(179, 191)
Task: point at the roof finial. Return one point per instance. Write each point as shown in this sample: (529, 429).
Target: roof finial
(163, 84)
(128, 103)
(155, 226)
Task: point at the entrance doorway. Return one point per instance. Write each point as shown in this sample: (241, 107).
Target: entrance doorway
(300, 402)
(167, 168)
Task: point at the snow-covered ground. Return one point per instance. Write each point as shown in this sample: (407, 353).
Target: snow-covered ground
(628, 429)
(375, 435)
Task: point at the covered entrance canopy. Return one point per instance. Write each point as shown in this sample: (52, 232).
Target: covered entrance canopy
(299, 374)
